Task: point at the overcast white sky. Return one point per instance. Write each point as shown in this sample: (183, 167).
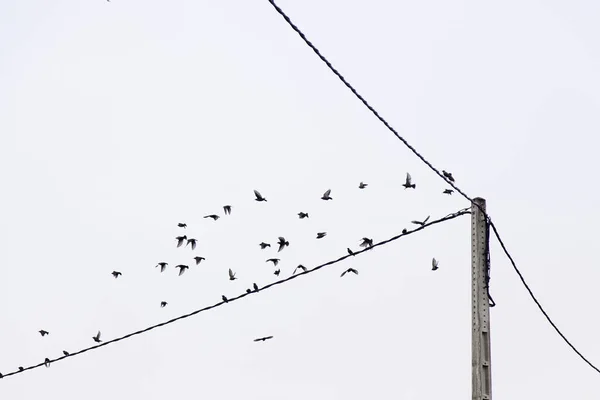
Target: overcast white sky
(120, 119)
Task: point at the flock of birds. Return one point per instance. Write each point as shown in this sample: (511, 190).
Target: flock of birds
(282, 243)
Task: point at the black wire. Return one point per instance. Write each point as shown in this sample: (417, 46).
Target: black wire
(308, 271)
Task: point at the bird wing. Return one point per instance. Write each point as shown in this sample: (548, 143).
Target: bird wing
(231, 274)
(353, 270)
(257, 194)
(434, 263)
(281, 246)
(98, 335)
(417, 222)
(343, 273)
(193, 245)
(327, 193)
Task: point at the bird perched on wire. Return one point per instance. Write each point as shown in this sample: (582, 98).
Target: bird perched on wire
(21, 369)
(182, 225)
(321, 235)
(349, 270)
(422, 223)
(326, 195)
(97, 337)
(163, 304)
(180, 240)
(302, 215)
(262, 339)
(277, 272)
(448, 175)
(350, 251)
(116, 274)
(192, 242)
(434, 264)
(275, 261)
(182, 268)
(66, 353)
(47, 362)
(225, 299)
(366, 242)
(232, 275)
(227, 210)
(255, 287)
(162, 265)
(408, 183)
(213, 216)
(302, 267)
(282, 243)
(259, 196)
(362, 185)
(198, 259)
(404, 231)
(448, 191)
(44, 333)
(264, 245)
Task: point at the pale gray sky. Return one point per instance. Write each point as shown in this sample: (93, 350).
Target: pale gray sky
(120, 119)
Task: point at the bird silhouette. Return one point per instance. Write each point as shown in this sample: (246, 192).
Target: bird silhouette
(302, 215)
(302, 267)
(21, 369)
(162, 265)
(248, 291)
(448, 175)
(44, 333)
(47, 362)
(182, 268)
(321, 235)
(255, 286)
(350, 251)
(116, 274)
(422, 223)
(362, 185)
(163, 304)
(277, 272)
(182, 225)
(349, 270)
(198, 259)
(448, 191)
(97, 337)
(408, 183)
(404, 231)
(232, 275)
(434, 264)
(264, 245)
(326, 195)
(262, 339)
(282, 243)
(213, 216)
(192, 242)
(225, 299)
(275, 261)
(366, 242)
(180, 240)
(66, 353)
(227, 210)
(259, 196)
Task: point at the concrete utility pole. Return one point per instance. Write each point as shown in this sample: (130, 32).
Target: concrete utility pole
(480, 342)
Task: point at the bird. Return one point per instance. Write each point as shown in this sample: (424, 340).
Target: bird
(193, 242)
(366, 242)
(321, 235)
(232, 275)
(1, 376)
(163, 304)
(275, 261)
(182, 225)
(262, 339)
(21, 369)
(255, 286)
(362, 185)
(66, 353)
(302, 215)
(116, 274)
(224, 299)
(422, 223)
(264, 245)
(248, 291)
(47, 362)
(282, 243)
(259, 196)
(213, 216)
(404, 231)
(277, 272)
(434, 264)
(448, 191)
(350, 251)
(227, 210)
(44, 333)
(180, 240)
(408, 183)
(182, 268)
(198, 259)
(349, 270)
(162, 265)
(97, 337)
(448, 175)
(302, 267)
(326, 195)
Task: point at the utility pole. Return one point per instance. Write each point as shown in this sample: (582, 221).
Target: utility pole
(480, 342)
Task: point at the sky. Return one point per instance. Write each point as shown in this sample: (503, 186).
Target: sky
(120, 119)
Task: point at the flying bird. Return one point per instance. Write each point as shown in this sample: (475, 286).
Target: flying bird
(97, 337)
(232, 275)
(259, 196)
(198, 259)
(182, 225)
(116, 274)
(255, 286)
(277, 272)
(326, 195)
(264, 245)
(408, 183)
(47, 362)
(162, 265)
(448, 191)
(366, 242)
(422, 223)
(163, 304)
(362, 185)
(275, 261)
(350, 251)
(227, 210)
(224, 299)
(180, 240)
(213, 216)
(448, 175)
(66, 353)
(349, 270)
(262, 339)
(321, 235)
(282, 243)
(434, 264)
(302, 215)
(192, 242)
(44, 333)
(302, 267)
(182, 268)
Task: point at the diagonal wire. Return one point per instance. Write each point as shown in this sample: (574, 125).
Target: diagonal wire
(279, 282)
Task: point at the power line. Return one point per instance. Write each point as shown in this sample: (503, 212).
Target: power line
(411, 148)
(279, 282)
